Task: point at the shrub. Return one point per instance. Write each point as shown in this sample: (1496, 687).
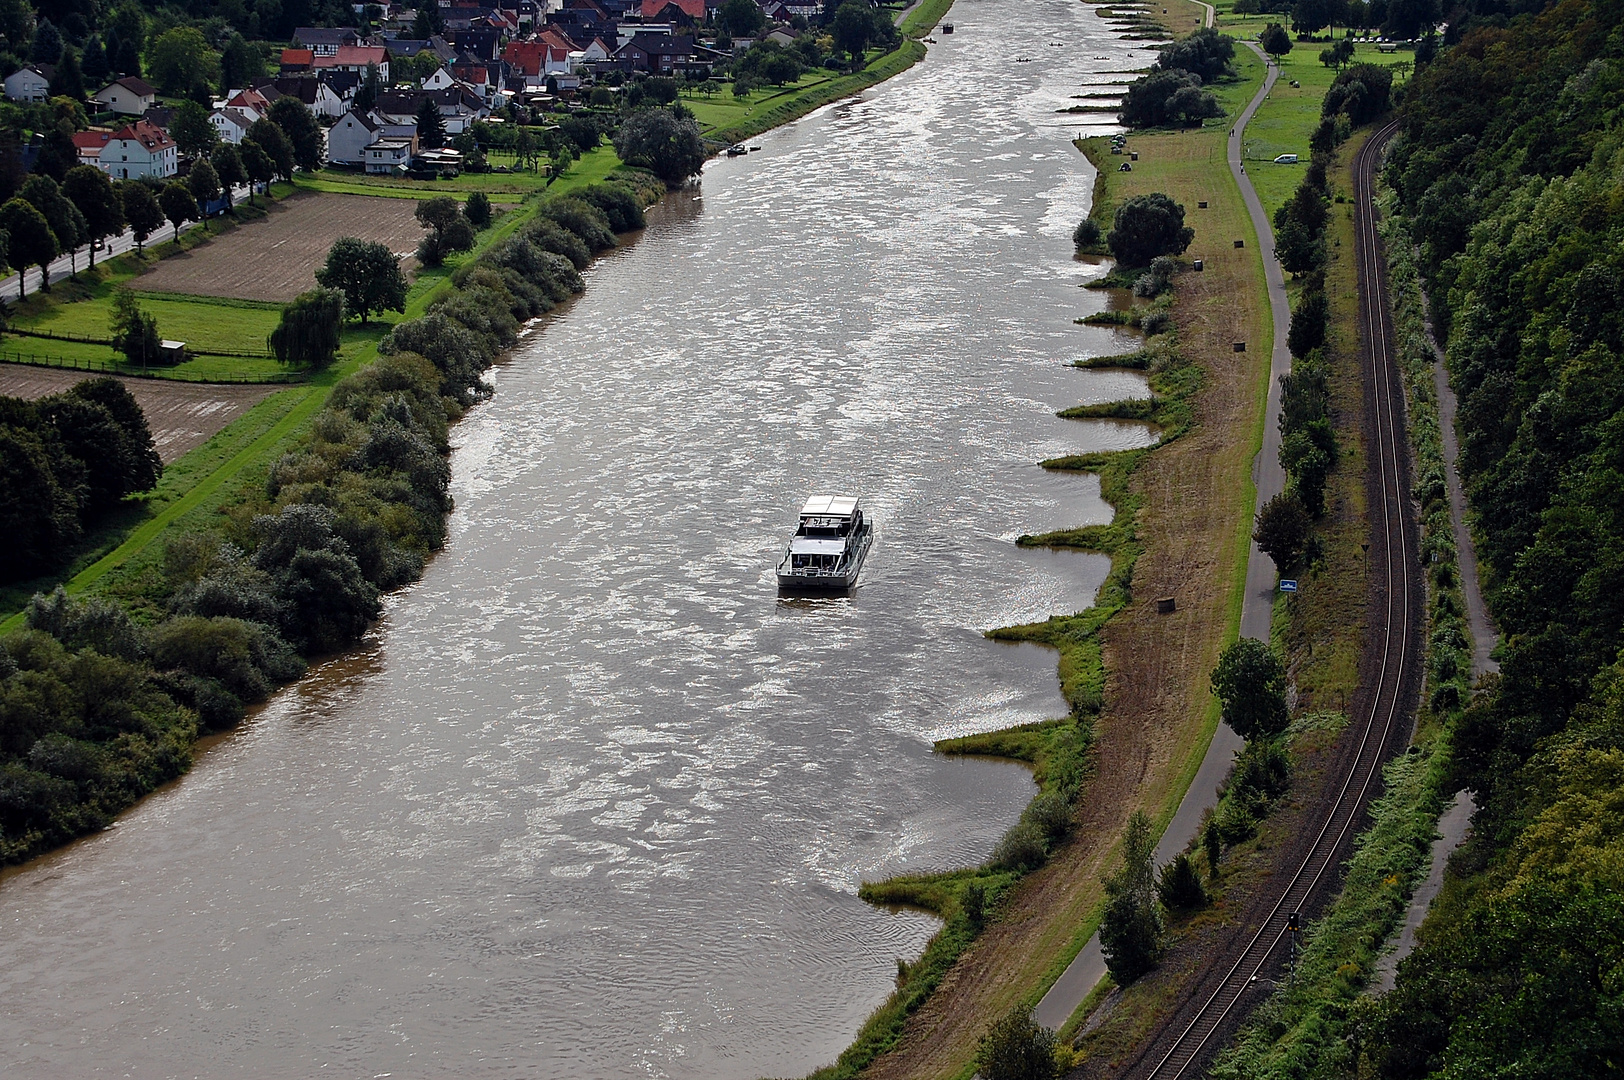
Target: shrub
(477, 209)
(1308, 323)
(1017, 1047)
(618, 203)
(1051, 812)
(1250, 682)
(1179, 886)
(1087, 233)
(1021, 850)
(583, 219)
(1131, 927)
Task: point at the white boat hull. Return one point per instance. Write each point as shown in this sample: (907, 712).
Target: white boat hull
(840, 579)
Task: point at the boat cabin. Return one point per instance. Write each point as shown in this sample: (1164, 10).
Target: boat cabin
(823, 538)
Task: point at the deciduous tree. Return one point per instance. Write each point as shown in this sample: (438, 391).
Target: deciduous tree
(1131, 927)
(189, 126)
(667, 145)
(274, 143)
(311, 329)
(300, 127)
(134, 332)
(227, 162)
(30, 241)
(367, 273)
(91, 190)
(1250, 682)
(178, 205)
(141, 210)
(1146, 226)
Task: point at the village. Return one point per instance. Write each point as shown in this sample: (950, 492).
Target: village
(373, 92)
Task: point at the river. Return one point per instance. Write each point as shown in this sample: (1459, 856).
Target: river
(593, 802)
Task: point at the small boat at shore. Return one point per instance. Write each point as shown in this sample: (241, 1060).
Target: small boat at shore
(737, 150)
(827, 551)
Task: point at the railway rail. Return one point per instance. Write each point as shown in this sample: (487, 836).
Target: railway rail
(1390, 675)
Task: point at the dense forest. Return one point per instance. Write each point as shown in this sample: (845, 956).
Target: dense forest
(1510, 171)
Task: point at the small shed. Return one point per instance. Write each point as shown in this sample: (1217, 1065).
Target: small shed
(171, 352)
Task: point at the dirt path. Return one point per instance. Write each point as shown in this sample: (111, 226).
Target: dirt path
(181, 415)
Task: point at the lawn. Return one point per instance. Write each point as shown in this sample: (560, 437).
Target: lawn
(723, 110)
(1286, 120)
(593, 166)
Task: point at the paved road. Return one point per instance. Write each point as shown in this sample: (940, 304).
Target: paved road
(118, 245)
(1085, 972)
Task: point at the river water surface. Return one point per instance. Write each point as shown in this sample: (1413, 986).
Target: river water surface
(593, 802)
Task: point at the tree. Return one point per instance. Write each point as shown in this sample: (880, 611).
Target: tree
(311, 329)
(366, 95)
(477, 210)
(257, 164)
(663, 143)
(67, 224)
(16, 23)
(1017, 1047)
(204, 184)
(182, 62)
(134, 332)
(1275, 41)
(68, 80)
(30, 240)
(91, 191)
(1167, 97)
(95, 63)
(178, 205)
(856, 26)
(1250, 682)
(1408, 19)
(1147, 226)
(451, 232)
(240, 64)
(1312, 16)
(1244, 8)
(741, 18)
(58, 154)
(271, 139)
(300, 127)
(368, 274)
(1284, 529)
(115, 463)
(1131, 926)
(141, 210)
(430, 125)
(47, 44)
(189, 126)
(1206, 53)
(227, 162)
(1339, 54)
(1308, 323)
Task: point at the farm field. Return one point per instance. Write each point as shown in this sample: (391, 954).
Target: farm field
(181, 415)
(276, 259)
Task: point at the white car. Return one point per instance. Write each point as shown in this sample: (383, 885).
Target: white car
(1286, 159)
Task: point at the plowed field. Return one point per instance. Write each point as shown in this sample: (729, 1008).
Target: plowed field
(180, 415)
(276, 258)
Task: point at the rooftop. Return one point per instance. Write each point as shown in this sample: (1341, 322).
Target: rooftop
(829, 506)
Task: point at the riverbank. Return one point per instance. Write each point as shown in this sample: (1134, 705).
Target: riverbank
(1188, 507)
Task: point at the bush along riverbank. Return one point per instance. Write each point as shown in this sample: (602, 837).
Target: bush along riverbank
(971, 899)
(98, 708)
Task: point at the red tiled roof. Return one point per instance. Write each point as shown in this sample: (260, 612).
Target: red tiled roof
(525, 56)
(297, 57)
(91, 140)
(148, 134)
(361, 55)
(692, 8)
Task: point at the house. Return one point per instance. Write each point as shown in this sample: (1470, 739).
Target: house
(127, 97)
(348, 139)
(389, 156)
(482, 41)
(325, 41)
(355, 58)
(297, 60)
(30, 84)
(90, 144)
(658, 54)
(231, 124)
(679, 12)
(137, 150)
(315, 94)
(597, 51)
(459, 107)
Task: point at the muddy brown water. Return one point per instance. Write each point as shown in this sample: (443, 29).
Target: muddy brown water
(593, 802)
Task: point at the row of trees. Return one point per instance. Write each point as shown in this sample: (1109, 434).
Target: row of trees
(1507, 171)
(66, 460)
(1397, 18)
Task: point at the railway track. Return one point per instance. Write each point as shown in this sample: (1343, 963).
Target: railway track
(1390, 675)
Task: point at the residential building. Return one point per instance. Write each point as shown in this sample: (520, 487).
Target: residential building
(325, 41)
(30, 84)
(483, 42)
(658, 54)
(348, 139)
(137, 150)
(355, 58)
(231, 124)
(297, 60)
(389, 156)
(90, 144)
(126, 96)
(459, 107)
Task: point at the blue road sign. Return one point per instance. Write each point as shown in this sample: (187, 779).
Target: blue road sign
(1288, 584)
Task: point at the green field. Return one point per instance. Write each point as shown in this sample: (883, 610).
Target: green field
(722, 110)
(593, 167)
(1286, 120)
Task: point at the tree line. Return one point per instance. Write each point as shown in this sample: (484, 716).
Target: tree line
(1506, 172)
(1171, 93)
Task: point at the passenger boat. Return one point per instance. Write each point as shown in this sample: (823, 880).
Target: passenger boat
(826, 553)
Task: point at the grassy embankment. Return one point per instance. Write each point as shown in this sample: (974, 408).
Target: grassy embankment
(592, 167)
(204, 482)
(1181, 526)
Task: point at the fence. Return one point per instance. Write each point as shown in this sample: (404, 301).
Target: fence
(111, 367)
(19, 332)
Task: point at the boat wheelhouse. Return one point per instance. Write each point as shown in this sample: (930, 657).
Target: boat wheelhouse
(827, 551)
